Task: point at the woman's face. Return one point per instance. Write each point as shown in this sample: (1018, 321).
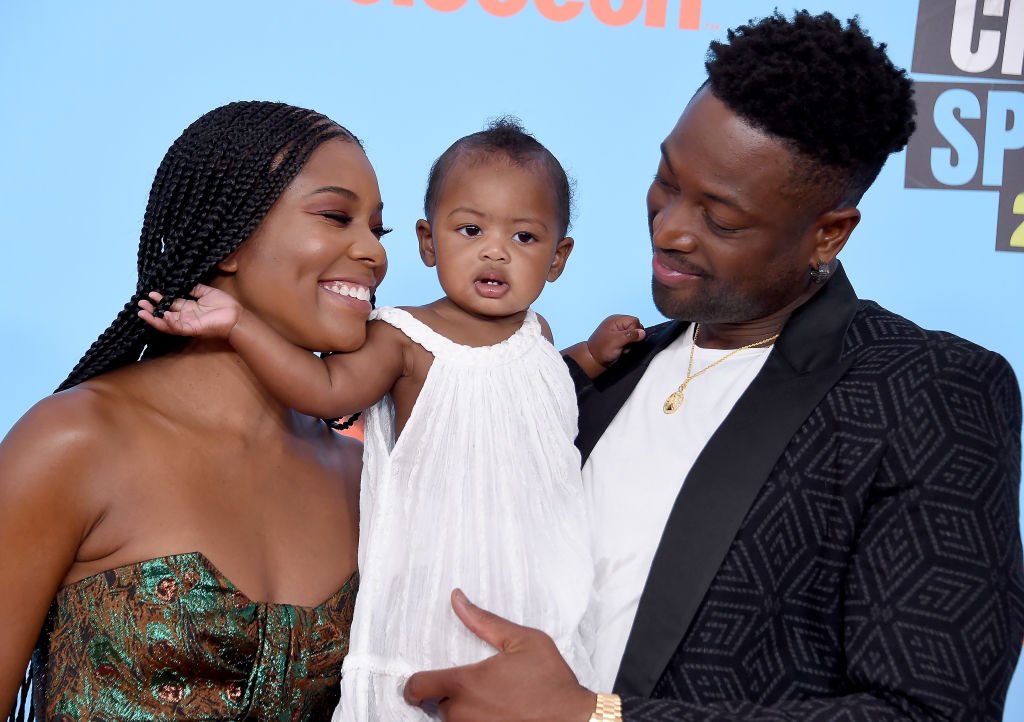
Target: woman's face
(309, 268)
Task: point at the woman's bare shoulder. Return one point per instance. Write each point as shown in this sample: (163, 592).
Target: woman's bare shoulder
(54, 463)
(62, 428)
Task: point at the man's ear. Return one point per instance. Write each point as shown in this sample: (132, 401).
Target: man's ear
(831, 232)
(562, 251)
(426, 243)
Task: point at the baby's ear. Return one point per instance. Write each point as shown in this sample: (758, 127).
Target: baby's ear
(562, 251)
(426, 242)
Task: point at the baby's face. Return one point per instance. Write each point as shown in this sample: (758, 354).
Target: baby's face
(495, 236)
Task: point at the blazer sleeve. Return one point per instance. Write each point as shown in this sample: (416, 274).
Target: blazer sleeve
(933, 610)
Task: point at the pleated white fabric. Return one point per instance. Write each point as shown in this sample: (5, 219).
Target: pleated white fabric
(482, 491)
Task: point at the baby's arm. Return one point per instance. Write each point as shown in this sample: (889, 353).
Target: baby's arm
(606, 344)
(328, 388)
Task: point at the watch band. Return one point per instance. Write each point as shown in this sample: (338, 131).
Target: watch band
(608, 709)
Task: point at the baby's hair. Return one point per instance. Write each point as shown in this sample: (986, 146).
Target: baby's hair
(828, 91)
(212, 189)
(505, 137)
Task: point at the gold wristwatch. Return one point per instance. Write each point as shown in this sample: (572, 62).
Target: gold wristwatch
(609, 708)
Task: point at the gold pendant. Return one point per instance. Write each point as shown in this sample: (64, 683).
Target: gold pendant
(674, 402)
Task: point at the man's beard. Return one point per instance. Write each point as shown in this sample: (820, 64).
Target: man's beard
(717, 304)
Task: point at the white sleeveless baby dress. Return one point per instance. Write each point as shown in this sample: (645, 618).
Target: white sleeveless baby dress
(482, 491)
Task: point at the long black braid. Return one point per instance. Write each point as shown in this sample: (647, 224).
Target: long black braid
(212, 189)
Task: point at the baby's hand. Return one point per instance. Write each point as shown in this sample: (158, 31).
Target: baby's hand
(612, 336)
(212, 315)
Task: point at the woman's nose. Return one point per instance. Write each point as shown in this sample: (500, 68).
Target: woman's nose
(369, 250)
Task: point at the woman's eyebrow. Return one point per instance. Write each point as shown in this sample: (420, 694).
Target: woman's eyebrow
(337, 190)
(345, 193)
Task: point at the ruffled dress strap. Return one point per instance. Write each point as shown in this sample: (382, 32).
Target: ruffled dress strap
(443, 347)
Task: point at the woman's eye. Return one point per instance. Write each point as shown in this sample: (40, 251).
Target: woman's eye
(381, 231)
(524, 237)
(471, 231)
(340, 218)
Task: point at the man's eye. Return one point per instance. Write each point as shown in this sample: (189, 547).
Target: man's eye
(717, 227)
(471, 231)
(524, 237)
(663, 182)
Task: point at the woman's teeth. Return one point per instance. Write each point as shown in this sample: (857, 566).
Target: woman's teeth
(361, 293)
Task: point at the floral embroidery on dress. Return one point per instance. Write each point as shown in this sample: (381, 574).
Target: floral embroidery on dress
(173, 639)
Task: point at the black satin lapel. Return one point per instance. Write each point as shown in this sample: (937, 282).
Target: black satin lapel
(709, 511)
(602, 400)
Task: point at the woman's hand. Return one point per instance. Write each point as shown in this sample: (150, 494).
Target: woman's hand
(213, 313)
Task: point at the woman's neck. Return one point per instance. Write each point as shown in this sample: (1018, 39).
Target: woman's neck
(212, 382)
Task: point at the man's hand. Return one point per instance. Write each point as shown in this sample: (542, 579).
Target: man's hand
(213, 313)
(526, 681)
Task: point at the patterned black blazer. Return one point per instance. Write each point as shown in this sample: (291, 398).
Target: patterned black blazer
(846, 546)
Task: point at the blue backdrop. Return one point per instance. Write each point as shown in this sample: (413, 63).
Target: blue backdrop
(95, 92)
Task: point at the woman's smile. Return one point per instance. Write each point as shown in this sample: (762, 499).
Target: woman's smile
(351, 293)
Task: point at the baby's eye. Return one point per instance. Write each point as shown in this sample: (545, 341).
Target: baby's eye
(471, 231)
(524, 237)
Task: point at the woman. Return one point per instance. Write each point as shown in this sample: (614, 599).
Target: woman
(193, 540)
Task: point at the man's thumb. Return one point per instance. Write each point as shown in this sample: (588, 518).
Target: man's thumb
(491, 628)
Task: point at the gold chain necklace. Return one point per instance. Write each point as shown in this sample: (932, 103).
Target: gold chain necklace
(674, 402)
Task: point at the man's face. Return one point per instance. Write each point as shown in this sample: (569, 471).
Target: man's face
(731, 243)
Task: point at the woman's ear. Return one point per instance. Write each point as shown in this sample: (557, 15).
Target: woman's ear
(229, 264)
(426, 243)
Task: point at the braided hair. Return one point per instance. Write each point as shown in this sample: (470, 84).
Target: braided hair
(827, 91)
(212, 189)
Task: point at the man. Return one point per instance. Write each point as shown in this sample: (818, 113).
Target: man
(805, 506)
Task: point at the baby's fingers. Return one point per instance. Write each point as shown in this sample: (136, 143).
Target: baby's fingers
(200, 290)
(146, 314)
(635, 334)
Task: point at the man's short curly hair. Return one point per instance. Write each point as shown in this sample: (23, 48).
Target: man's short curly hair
(828, 91)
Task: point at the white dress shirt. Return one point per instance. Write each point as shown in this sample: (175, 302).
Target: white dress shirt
(635, 472)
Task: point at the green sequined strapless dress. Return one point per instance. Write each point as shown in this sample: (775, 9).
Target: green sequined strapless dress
(173, 639)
